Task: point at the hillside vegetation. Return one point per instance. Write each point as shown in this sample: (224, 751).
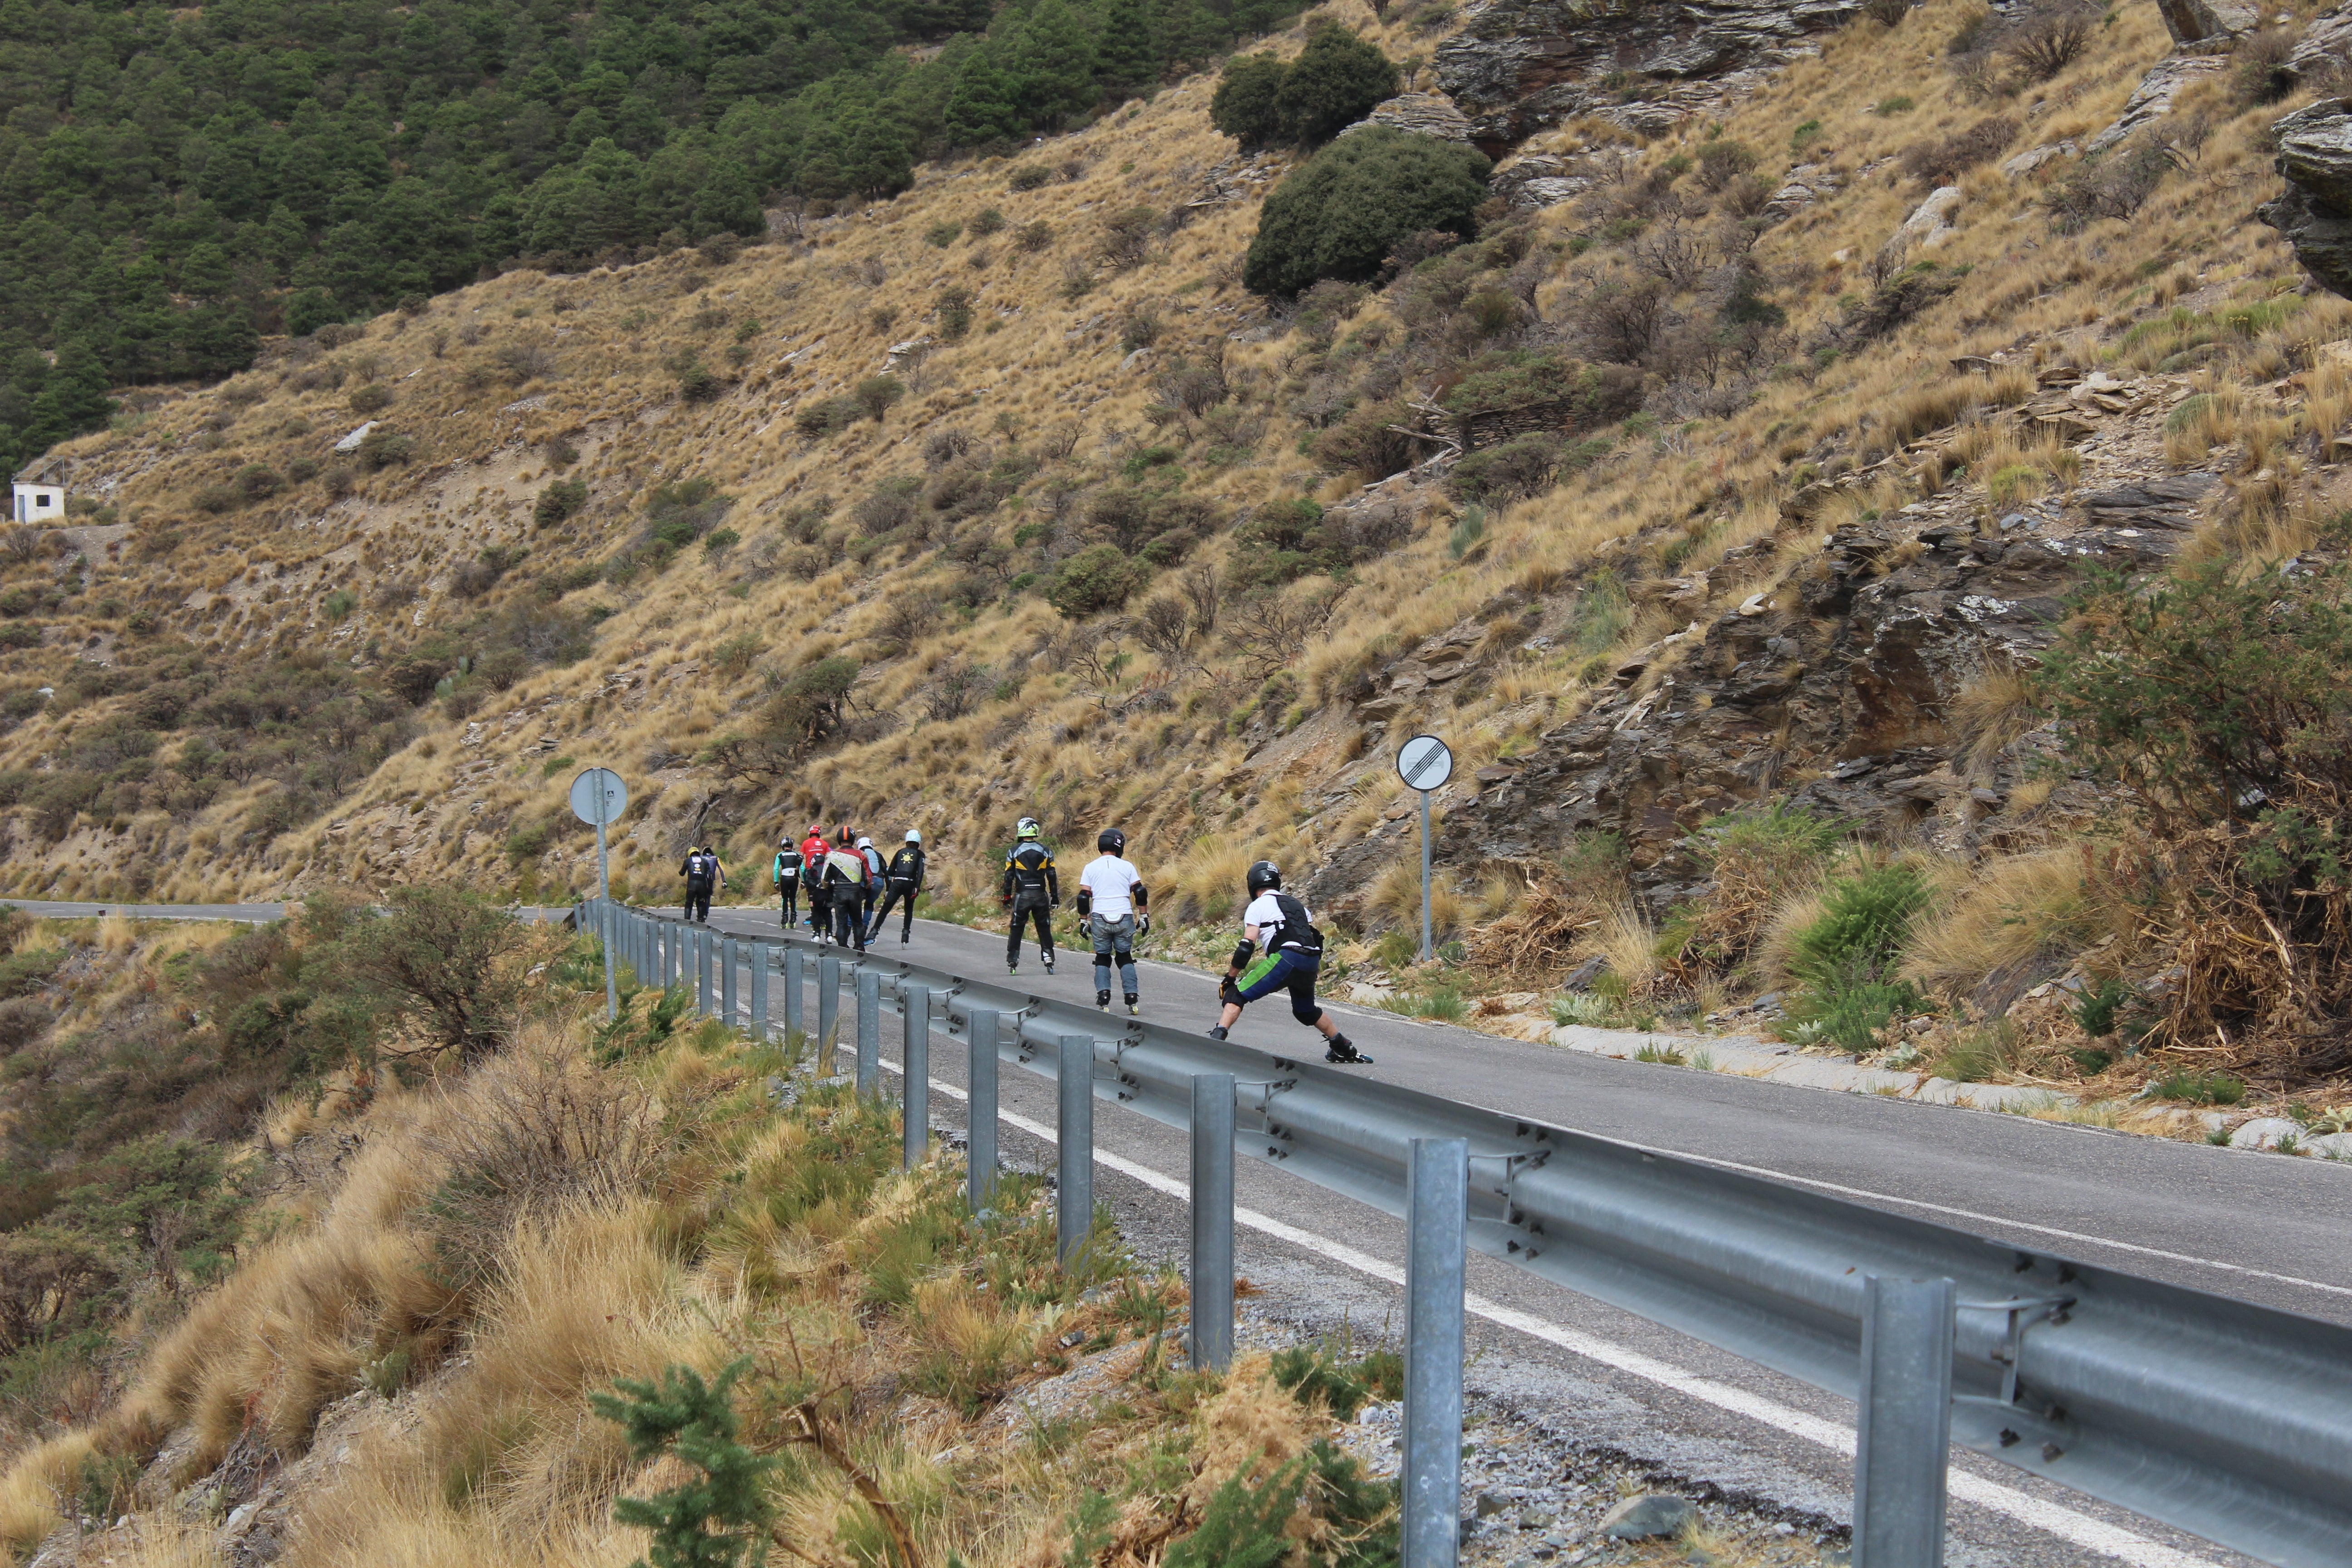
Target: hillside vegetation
(1006, 496)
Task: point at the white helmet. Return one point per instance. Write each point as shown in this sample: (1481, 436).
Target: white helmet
(864, 843)
(913, 836)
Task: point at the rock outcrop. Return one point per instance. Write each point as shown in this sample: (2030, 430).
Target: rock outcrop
(1538, 179)
(2315, 212)
(2151, 100)
(1520, 65)
(1422, 113)
(2208, 23)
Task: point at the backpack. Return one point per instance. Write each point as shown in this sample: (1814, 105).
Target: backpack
(698, 867)
(1299, 932)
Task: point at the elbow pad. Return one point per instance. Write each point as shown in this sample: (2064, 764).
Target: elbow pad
(1242, 951)
(1086, 902)
(1142, 897)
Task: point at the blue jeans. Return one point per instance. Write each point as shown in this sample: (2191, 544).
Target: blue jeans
(1113, 938)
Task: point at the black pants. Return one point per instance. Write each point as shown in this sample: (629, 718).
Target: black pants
(1044, 918)
(698, 899)
(848, 926)
(820, 919)
(898, 898)
(789, 896)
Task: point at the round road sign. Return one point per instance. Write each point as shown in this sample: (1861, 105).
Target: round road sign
(598, 795)
(1424, 762)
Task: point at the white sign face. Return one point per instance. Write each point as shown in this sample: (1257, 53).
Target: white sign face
(1424, 762)
(599, 790)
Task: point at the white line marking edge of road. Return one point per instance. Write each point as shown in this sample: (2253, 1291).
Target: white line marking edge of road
(2080, 1529)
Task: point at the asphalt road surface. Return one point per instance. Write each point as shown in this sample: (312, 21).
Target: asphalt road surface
(2262, 1227)
(2266, 1228)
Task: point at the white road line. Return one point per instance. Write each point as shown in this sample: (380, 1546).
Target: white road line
(1987, 1218)
(2082, 1530)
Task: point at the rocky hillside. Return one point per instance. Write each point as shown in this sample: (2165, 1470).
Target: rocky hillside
(1807, 360)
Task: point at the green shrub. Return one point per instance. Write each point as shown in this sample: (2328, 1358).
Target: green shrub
(562, 499)
(955, 312)
(698, 382)
(2097, 1009)
(1097, 578)
(384, 449)
(823, 417)
(1845, 958)
(1246, 105)
(1246, 1526)
(1342, 213)
(1334, 82)
(1467, 531)
(715, 1518)
(2208, 1088)
(877, 394)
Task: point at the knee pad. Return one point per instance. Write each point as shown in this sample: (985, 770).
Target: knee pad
(1306, 1013)
(1228, 993)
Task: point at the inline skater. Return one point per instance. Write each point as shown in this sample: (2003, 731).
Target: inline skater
(1294, 952)
(1031, 890)
(813, 849)
(844, 881)
(1114, 908)
(703, 875)
(903, 879)
(785, 875)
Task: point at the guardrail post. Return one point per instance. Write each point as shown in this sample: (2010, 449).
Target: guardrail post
(1904, 1436)
(702, 971)
(915, 1089)
(727, 986)
(980, 1178)
(673, 954)
(1212, 1219)
(828, 1009)
(796, 1011)
(869, 1032)
(762, 957)
(1074, 1168)
(1437, 1199)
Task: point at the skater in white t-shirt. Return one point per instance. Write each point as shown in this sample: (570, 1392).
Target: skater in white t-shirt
(1114, 908)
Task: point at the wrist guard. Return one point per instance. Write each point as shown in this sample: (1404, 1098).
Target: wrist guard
(1243, 951)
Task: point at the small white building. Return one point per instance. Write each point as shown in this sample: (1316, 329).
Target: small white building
(38, 503)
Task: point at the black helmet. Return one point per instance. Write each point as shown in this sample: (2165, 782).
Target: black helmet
(1264, 874)
(1112, 841)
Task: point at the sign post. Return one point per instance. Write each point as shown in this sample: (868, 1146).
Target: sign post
(598, 797)
(1424, 762)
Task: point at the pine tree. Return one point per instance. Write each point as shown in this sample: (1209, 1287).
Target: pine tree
(1052, 65)
(981, 107)
(714, 1520)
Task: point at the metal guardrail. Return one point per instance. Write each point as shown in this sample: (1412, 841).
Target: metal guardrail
(2228, 1420)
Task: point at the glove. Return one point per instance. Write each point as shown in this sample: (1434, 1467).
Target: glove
(1004, 900)
(1142, 927)
(1228, 993)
